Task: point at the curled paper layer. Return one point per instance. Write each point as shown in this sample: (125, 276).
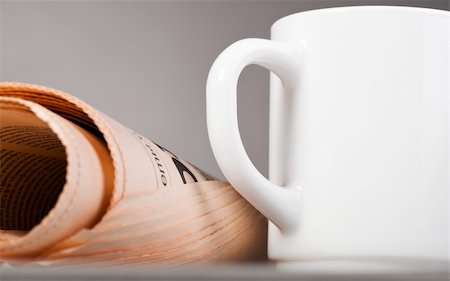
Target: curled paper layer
(77, 187)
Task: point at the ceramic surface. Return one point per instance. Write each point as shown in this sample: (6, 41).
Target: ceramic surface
(358, 132)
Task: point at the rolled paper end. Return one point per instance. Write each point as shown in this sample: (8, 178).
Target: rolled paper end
(114, 198)
(201, 222)
(51, 174)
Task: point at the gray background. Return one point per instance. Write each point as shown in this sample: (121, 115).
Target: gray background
(145, 63)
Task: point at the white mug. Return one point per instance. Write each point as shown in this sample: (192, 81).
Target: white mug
(358, 160)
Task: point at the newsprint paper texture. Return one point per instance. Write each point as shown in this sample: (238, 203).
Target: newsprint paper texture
(78, 188)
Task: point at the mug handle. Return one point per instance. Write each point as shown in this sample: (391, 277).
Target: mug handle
(281, 205)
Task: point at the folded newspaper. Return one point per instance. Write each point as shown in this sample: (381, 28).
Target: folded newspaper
(77, 187)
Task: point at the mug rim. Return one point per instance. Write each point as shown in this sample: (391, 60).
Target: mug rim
(290, 17)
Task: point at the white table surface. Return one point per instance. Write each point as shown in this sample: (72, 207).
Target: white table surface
(428, 271)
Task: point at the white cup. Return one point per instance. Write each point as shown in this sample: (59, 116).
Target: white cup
(358, 132)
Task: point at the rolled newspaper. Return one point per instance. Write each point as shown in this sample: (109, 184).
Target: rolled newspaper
(77, 187)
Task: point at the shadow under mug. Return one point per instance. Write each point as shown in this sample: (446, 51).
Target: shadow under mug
(358, 156)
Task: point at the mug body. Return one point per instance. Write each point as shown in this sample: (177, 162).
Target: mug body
(365, 135)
